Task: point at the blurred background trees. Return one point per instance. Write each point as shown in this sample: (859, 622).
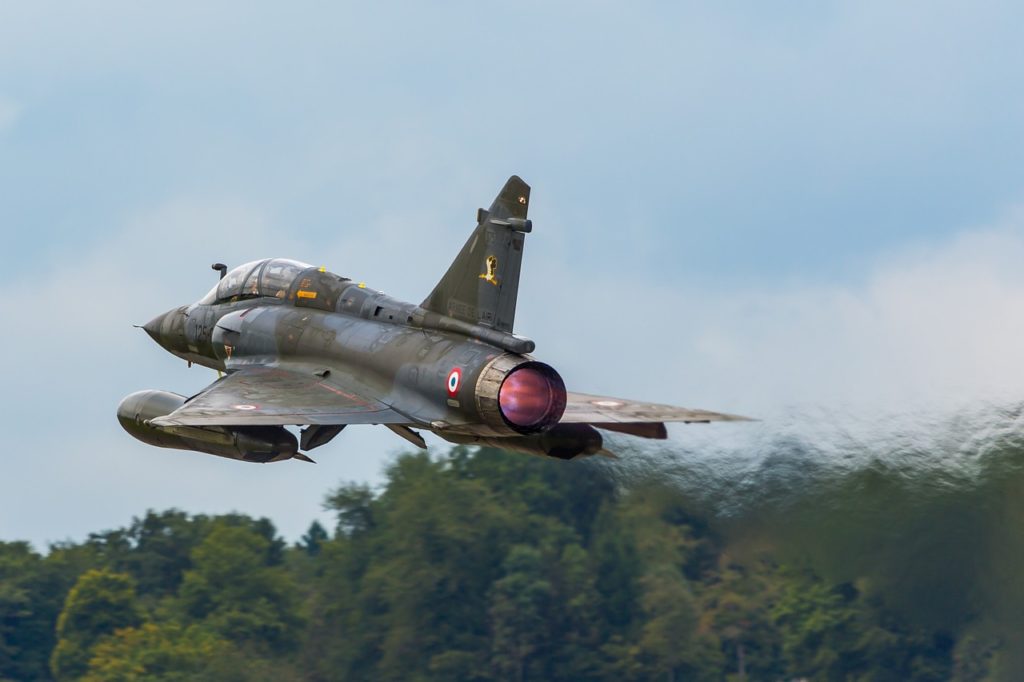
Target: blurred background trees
(477, 565)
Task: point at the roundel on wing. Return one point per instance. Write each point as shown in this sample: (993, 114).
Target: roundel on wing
(454, 381)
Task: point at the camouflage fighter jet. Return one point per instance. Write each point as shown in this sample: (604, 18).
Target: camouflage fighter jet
(300, 346)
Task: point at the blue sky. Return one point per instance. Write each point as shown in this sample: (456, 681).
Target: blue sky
(817, 202)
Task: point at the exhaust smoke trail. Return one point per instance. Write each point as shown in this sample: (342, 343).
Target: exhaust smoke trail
(902, 468)
(925, 509)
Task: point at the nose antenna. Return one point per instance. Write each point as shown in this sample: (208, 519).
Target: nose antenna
(221, 268)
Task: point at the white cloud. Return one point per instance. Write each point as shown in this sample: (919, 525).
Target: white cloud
(927, 326)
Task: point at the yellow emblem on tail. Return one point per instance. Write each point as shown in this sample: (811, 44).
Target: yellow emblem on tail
(492, 271)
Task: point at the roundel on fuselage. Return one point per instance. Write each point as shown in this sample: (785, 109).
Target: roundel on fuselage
(454, 380)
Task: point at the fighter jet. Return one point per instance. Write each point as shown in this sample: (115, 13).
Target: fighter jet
(299, 346)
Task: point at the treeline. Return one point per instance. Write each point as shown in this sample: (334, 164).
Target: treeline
(478, 565)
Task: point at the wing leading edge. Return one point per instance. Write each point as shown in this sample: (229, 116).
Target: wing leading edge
(282, 396)
(265, 396)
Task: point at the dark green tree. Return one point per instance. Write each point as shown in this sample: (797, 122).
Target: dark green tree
(31, 596)
(737, 610)
(235, 591)
(477, 565)
(314, 539)
(521, 609)
(161, 547)
(100, 602)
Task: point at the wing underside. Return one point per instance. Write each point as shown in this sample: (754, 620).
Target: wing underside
(265, 396)
(636, 418)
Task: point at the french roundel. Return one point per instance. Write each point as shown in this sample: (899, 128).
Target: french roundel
(454, 380)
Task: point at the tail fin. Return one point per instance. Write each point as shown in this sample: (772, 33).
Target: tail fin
(482, 284)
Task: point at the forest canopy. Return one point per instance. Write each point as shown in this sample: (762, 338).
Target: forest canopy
(473, 565)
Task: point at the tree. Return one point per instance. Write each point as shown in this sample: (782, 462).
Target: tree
(163, 652)
(439, 541)
(648, 546)
(671, 620)
(831, 632)
(737, 609)
(353, 505)
(576, 622)
(233, 591)
(520, 612)
(314, 539)
(414, 566)
(477, 566)
(161, 545)
(100, 602)
(31, 596)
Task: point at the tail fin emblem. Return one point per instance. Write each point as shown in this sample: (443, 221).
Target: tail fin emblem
(491, 275)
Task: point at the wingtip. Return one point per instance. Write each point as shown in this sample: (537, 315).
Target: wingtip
(719, 417)
(303, 458)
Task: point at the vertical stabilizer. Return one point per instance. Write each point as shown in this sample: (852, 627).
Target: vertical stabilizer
(482, 283)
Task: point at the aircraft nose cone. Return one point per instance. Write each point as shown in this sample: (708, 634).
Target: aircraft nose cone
(153, 327)
(168, 330)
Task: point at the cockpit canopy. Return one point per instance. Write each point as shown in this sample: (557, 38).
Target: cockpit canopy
(269, 278)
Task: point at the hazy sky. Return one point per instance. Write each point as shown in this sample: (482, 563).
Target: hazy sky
(817, 203)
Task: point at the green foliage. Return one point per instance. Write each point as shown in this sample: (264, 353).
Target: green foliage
(166, 652)
(974, 658)
(100, 602)
(520, 611)
(737, 610)
(829, 632)
(235, 591)
(353, 506)
(169, 652)
(159, 549)
(314, 539)
(478, 566)
(31, 595)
